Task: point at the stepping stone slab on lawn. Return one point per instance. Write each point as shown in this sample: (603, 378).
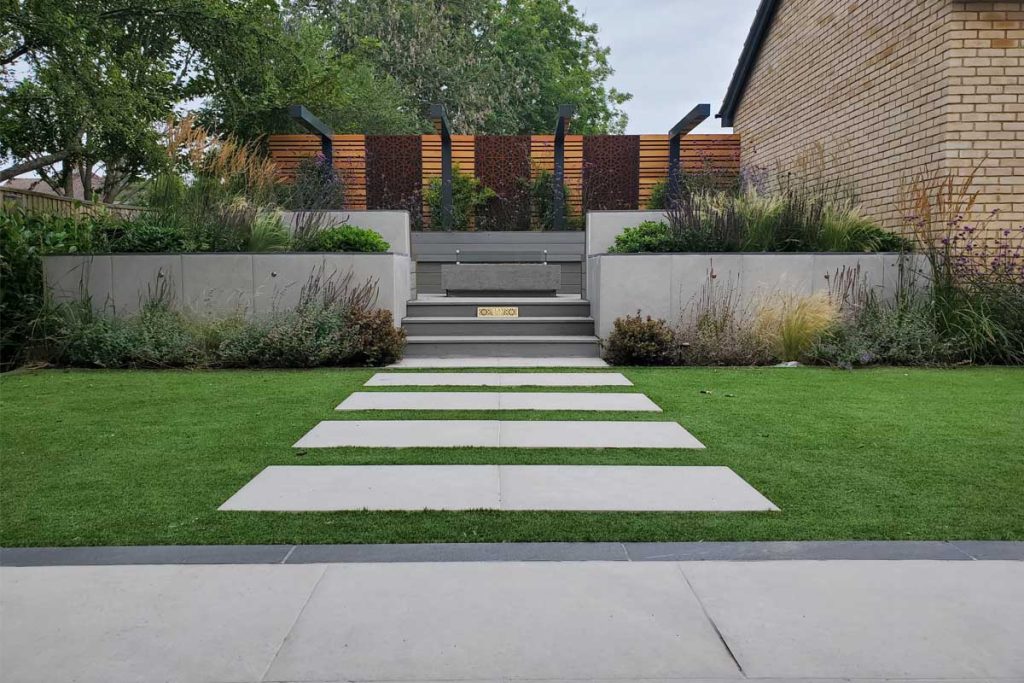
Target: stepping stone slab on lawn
(498, 379)
(391, 487)
(495, 433)
(299, 488)
(467, 400)
(500, 362)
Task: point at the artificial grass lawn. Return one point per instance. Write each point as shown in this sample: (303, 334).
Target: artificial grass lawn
(110, 458)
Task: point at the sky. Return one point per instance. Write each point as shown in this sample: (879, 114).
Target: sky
(671, 54)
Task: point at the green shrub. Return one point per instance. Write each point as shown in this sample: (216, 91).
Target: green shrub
(648, 237)
(640, 341)
(468, 195)
(542, 202)
(347, 238)
(656, 200)
(317, 186)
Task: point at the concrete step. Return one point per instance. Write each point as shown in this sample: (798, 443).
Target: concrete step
(528, 308)
(461, 326)
(502, 346)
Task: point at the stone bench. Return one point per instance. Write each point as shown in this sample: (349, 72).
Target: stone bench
(500, 279)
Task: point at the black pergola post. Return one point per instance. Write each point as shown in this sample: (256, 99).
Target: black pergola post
(314, 125)
(685, 125)
(440, 118)
(565, 113)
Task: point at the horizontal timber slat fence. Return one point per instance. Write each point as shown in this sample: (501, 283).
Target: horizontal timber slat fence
(43, 203)
(602, 172)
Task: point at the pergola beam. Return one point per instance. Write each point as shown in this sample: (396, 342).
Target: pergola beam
(694, 118)
(440, 118)
(565, 114)
(314, 125)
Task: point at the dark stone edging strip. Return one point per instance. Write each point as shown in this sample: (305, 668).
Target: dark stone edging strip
(748, 551)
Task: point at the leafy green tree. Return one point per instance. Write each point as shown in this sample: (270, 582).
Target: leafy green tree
(500, 66)
(85, 81)
(342, 88)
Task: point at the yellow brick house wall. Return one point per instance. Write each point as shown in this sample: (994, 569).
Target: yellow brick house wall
(890, 89)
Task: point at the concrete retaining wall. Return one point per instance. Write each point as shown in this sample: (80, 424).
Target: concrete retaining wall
(664, 285)
(393, 226)
(220, 284)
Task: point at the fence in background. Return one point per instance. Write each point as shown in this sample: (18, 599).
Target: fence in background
(602, 172)
(40, 202)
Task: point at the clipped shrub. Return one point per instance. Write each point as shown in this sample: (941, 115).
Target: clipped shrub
(347, 238)
(648, 237)
(790, 325)
(468, 195)
(636, 340)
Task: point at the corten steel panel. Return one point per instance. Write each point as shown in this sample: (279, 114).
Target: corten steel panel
(503, 164)
(611, 172)
(393, 172)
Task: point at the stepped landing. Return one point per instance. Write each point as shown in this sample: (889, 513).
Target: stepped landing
(525, 327)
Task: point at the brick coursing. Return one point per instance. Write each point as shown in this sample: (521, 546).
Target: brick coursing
(890, 89)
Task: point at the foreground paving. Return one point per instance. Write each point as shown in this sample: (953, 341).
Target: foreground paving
(499, 362)
(499, 621)
(287, 488)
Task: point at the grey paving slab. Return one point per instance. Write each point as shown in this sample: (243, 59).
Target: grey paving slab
(795, 550)
(459, 552)
(308, 488)
(312, 488)
(583, 487)
(486, 621)
(500, 362)
(494, 433)
(478, 400)
(608, 434)
(144, 554)
(144, 624)
(495, 379)
(421, 400)
(868, 619)
(992, 550)
(401, 433)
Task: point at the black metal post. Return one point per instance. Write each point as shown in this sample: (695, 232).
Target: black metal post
(440, 118)
(314, 125)
(685, 125)
(565, 113)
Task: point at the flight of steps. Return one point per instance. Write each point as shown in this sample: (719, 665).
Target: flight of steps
(446, 327)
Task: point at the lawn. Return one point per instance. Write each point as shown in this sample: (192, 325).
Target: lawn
(108, 458)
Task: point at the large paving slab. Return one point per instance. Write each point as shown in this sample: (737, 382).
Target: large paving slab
(868, 619)
(561, 621)
(468, 400)
(499, 362)
(312, 488)
(633, 488)
(498, 379)
(494, 433)
(195, 624)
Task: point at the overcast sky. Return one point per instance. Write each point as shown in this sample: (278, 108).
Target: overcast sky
(671, 54)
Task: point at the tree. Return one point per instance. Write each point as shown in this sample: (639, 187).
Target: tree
(342, 88)
(85, 81)
(500, 66)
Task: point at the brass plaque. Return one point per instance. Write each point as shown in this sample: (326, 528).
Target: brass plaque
(497, 311)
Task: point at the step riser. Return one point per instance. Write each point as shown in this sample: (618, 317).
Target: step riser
(526, 310)
(503, 350)
(499, 327)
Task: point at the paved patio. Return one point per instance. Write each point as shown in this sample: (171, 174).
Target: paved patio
(777, 621)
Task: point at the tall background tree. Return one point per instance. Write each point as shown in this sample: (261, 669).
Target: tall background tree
(85, 83)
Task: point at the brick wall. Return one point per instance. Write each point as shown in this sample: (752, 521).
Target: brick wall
(889, 90)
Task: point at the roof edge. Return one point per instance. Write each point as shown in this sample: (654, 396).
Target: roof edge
(748, 59)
